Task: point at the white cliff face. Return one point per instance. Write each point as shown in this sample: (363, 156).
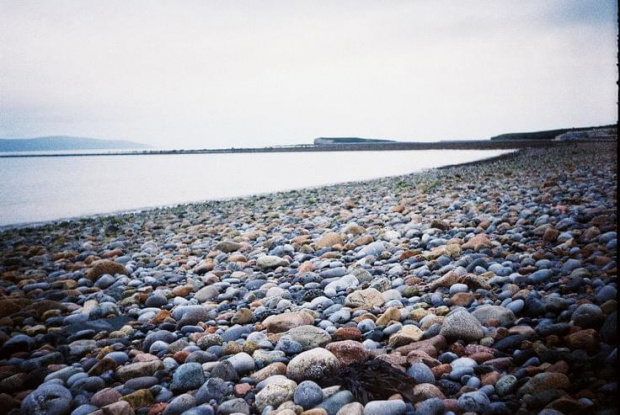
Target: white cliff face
(322, 141)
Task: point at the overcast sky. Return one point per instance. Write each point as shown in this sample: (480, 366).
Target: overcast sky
(210, 74)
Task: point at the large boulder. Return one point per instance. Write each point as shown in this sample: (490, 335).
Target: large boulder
(460, 325)
(313, 364)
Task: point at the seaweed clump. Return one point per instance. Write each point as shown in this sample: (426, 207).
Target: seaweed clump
(372, 380)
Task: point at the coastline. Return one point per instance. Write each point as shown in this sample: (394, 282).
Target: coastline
(146, 209)
(392, 146)
(492, 285)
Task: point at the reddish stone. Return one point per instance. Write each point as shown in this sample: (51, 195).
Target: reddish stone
(585, 393)
(105, 397)
(601, 261)
(471, 349)
(477, 242)
(575, 329)
(407, 255)
(481, 357)
(315, 411)
(501, 363)
(466, 389)
(160, 317)
(419, 356)
(112, 253)
(180, 356)
(105, 267)
(532, 370)
(7, 403)
(101, 366)
(565, 405)
(8, 370)
(348, 351)
(158, 408)
(490, 378)
(462, 299)
(527, 270)
(426, 391)
(182, 290)
(492, 322)
(428, 349)
(395, 359)
(552, 340)
(347, 333)
(20, 396)
(559, 367)
(242, 389)
(457, 348)
(584, 339)
(551, 235)
(306, 267)
(441, 369)
(277, 368)
(452, 405)
(431, 346)
(145, 357)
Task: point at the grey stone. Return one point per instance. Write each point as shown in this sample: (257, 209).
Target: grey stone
(311, 365)
(374, 249)
(391, 407)
(516, 305)
(188, 376)
(180, 404)
(162, 335)
(234, 406)
(308, 394)
(242, 362)
(333, 404)
(541, 275)
(48, 399)
(460, 325)
(213, 388)
(309, 336)
(505, 385)
(474, 402)
(432, 406)
(587, 315)
(225, 370)
(489, 312)
(607, 293)
(421, 373)
(200, 410)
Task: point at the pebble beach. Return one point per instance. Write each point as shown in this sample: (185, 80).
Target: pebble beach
(487, 288)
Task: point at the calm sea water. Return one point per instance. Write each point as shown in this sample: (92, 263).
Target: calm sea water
(43, 189)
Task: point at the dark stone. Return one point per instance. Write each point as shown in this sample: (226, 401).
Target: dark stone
(214, 388)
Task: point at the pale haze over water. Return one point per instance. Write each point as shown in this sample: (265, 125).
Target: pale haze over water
(246, 73)
(49, 188)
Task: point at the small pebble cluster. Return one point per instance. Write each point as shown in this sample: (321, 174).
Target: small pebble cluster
(488, 288)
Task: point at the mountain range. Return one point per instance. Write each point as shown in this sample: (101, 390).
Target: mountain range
(63, 143)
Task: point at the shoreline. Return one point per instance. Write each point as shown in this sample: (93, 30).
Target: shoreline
(489, 287)
(146, 209)
(394, 146)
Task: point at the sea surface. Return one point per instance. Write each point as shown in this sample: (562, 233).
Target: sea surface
(42, 189)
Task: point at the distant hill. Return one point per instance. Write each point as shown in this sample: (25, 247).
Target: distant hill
(62, 142)
(544, 135)
(348, 140)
